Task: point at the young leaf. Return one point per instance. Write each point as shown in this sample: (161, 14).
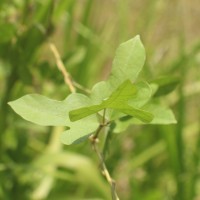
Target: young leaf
(128, 62)
(124, 89)
(143, 95)
(162, 115)
(140, 114)
(117, 100)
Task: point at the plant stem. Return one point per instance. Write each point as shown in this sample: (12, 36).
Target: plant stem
(61, 67)
(105, 172)
(78, 86)
(68, 79)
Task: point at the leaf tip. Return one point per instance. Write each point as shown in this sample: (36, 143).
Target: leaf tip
(11, 104)
(137, 37)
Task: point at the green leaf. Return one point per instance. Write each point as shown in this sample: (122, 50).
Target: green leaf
(47, 112)
(123, 93)
(79, 130)
(128, 62)
(100, 91)
(117, 100)
(165, 85)
(144, 93)
(41, 110)
(162, 115)
(143, 115)
(124, 89)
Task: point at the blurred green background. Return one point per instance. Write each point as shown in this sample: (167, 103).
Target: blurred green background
(148, 162)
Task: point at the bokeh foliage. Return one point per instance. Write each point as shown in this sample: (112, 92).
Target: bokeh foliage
(148, 162)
